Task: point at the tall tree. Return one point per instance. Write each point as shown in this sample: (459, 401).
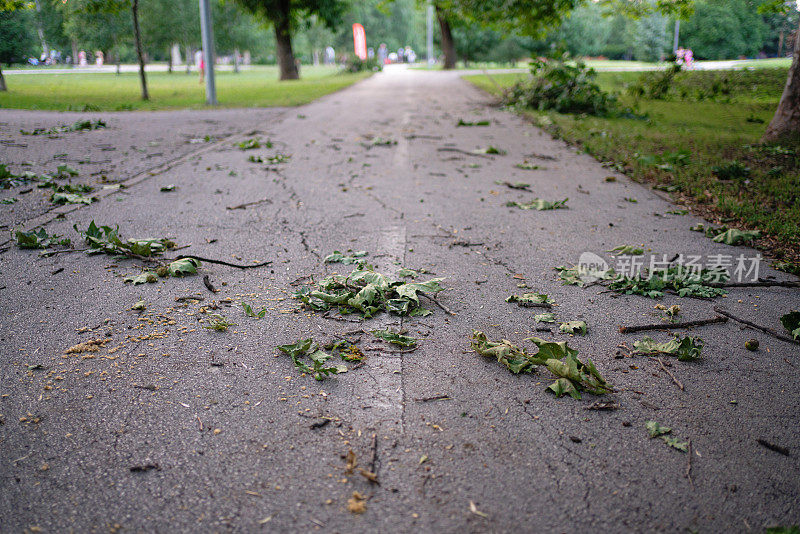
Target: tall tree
(785, 124)
(443, 15)
(285, 15)
(6, 9)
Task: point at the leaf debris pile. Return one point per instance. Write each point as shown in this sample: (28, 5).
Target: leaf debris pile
(367, 293)
(572, 375)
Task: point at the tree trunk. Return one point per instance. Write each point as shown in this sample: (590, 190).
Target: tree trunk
(169, 60)
(448, 46)
(283, 40)
(189, 59)
(138, 38)
(785, 124)
(74, 54)
(2, 80)
(236, 60)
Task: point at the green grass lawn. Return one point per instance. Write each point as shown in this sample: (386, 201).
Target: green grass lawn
(256, 87)
(712, 132)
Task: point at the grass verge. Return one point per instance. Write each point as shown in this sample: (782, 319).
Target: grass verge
(676, 144)
(257, 87)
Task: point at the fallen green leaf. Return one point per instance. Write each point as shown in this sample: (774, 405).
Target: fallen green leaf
(544, 318)
(627, 250)
(529, 299)
(791, 322)
(250, 313)
(394, 338)
(686, 349)
(573, 327)
(733, 236)
(539, 204)
(183, 267)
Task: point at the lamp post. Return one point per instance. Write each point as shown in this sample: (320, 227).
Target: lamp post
(208, 52)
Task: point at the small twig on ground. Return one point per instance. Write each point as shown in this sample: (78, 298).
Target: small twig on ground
(327, 315)
(391, 351)
(689, 463)
(434, 398)
(435, 301)
(775, 448)
(467, 152)
(760, 283)
(671, 326)
(374, 447)
(221, 262)
(208, 284)
(764, 329)
(48, 253)
(246, 204)
(189, 297)
(603, 406)
(664, 368)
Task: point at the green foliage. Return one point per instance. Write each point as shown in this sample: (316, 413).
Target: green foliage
(338, 257)
(78, 126)
(308, 348)
(183, 267)
(106, 240)
(572, 375)
(686, 349)
(791, 322)
(544, 318)
(462, 122)
(732, 236)
(724, 29)
(555, 84)
(218, 323)
(573, 327)
(367, 293)
(697, 86)
(71, 198)
(250, 313)
(539, 204)
(733, 170)
(17, 41)
(627, 250)
(40, 239)
(356, 64)
(529, 299)
(146, 277)
(685, 282)
(657, 430)
(395, 338)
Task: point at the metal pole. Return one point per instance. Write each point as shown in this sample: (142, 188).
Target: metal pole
(430, 33)
(208, 52)
(677, 32)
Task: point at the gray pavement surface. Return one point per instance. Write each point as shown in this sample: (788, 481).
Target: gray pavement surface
(230, 425)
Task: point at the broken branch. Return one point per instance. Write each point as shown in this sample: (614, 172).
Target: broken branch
(764, 329)
(221, 262)
(671, 326)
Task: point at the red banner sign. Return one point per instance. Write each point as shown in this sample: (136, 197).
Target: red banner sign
(360, 41)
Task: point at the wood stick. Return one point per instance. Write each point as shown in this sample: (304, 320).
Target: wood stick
(435, 301)
(760, 283)
(246, 204)
(664, 368)
(689, 464)
(221, 262)
(764, 329)
(468, 153)
(671, 326)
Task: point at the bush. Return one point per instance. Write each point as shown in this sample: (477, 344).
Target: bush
(559, 86)
(356, 64)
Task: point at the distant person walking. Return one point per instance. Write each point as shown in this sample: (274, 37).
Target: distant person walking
(201, 65)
